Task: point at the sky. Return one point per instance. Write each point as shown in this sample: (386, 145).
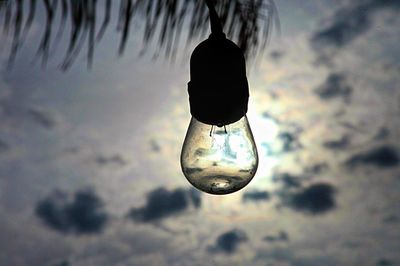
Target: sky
(89, 158)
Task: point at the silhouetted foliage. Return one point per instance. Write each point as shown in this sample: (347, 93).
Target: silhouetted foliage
(247, 22)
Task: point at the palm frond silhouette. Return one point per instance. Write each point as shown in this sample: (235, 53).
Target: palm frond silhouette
(247, 22)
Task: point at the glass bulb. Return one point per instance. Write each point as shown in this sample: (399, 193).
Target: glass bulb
(219, 160)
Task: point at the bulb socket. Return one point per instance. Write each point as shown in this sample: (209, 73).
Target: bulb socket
(218, 88)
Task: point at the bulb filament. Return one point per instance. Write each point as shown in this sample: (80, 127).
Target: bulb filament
(212, 130)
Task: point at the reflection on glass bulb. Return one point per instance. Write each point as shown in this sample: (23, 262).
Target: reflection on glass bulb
(219, 160)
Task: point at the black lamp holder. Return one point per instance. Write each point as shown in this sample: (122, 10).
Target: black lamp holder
(218, 88)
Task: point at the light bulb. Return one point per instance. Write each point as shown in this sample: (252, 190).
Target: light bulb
(219, 160)
(219, 155)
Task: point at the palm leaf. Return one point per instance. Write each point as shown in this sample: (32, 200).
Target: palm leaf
(247, 22)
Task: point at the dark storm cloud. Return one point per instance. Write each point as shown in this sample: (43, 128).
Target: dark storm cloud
(348, 23)
(335, 86)
(42, 117)
(289, 181)
(315, 199)
(229, 242)
(115, 159)
(281, 237)
(339, 144)
(82, 215)
(256, 196)
(385, 157)
(162, 203)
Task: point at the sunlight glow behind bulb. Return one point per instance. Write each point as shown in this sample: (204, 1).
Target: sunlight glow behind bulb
(219, 160)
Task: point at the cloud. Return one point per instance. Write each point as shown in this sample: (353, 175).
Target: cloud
(383, 133)
(315, 199)
(116, 159)
(12, 114)
(82, 215)
(384, 157)
(5, 91)
(3, 146)
(288, 137)
(383, 262)
(162, 203)
(289, 141)
(276, 55)
(229, 242)
(335, 86)
(288, 180)
(256, 196)
(347, 24)
(42, 117)
(339, 144)
(155, 147)
(269, 116)
(63, 263)
(316, 169)
(391, 219)
(281, 237)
